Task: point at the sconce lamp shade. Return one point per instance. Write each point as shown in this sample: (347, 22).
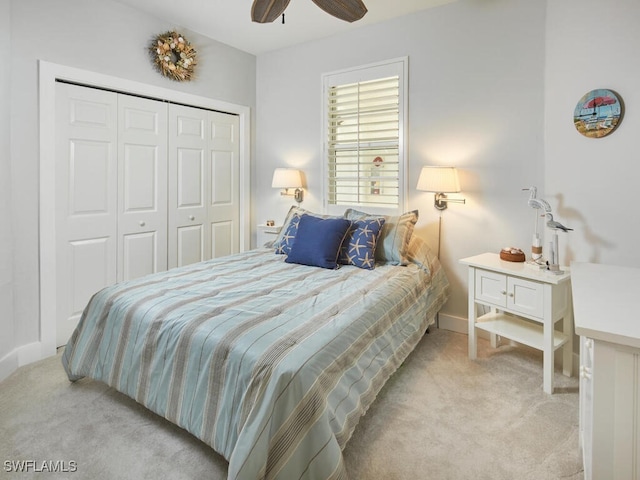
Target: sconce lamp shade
(286, 178)
(438, 180)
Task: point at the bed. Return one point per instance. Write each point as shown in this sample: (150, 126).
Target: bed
(270, 363)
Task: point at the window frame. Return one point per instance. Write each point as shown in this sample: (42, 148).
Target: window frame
(392, 67)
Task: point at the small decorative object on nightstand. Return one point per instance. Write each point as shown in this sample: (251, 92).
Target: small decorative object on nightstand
(512, 254)
(525, 306)
(553, 264)
(536, 203)
(267, 233)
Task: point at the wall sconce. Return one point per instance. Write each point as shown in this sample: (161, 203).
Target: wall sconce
(440, 180)
(287, 178)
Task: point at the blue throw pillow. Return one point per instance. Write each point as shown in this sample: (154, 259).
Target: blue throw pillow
(284, 240)
(359, 245)
(318, 241)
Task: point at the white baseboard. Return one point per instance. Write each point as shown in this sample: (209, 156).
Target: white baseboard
(8, 364)
(454, 324)
(29, 353)
(24, 355)
(461, 325)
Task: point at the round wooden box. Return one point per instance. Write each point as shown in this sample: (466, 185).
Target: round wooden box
(509, 256)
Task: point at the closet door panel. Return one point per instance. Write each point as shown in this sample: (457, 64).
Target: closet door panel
(142, 180)
(140, 254)
(222, 237)
(190, 244)
(188, 232)
(224, 201)
(85, 200)
(190, 181)
(89, 270)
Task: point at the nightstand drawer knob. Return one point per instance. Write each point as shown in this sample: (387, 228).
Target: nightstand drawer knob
(511, 294)
(503, 292)
(192, 218)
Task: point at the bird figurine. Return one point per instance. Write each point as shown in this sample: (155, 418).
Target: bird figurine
(554, 225)
(537, 203)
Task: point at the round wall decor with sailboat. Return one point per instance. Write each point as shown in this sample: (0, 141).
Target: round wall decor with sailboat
(598, 113)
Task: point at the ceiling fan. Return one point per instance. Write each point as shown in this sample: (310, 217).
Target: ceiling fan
(266, 11)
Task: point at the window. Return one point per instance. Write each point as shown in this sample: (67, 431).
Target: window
(364, 117)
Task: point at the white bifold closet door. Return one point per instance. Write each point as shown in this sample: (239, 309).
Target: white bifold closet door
(141, 185)
(86, 199)
(203, 185)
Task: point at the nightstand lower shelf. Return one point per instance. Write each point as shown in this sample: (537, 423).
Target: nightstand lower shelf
(519, 330)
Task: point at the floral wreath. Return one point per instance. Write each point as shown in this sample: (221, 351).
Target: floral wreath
(173, 56)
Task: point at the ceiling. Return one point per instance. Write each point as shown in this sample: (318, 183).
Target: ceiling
(229, 21)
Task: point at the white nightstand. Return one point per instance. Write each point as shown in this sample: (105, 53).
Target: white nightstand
(267, 234)
(525, 305)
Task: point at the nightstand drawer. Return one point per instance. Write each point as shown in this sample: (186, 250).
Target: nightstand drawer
(514, 293)
(491, 288)
(525, 297)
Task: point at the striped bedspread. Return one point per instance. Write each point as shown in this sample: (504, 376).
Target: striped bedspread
(272, 364)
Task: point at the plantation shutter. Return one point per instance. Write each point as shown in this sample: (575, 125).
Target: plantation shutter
(364, 124)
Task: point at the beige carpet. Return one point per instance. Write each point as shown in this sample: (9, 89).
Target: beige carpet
(439, 417)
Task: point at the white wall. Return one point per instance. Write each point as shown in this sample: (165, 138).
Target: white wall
(593, 183)
(100, 36)
(476, 79)
(8, 362)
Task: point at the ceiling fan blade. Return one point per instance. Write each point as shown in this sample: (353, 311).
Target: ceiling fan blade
(347, 10)
(266, 11)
